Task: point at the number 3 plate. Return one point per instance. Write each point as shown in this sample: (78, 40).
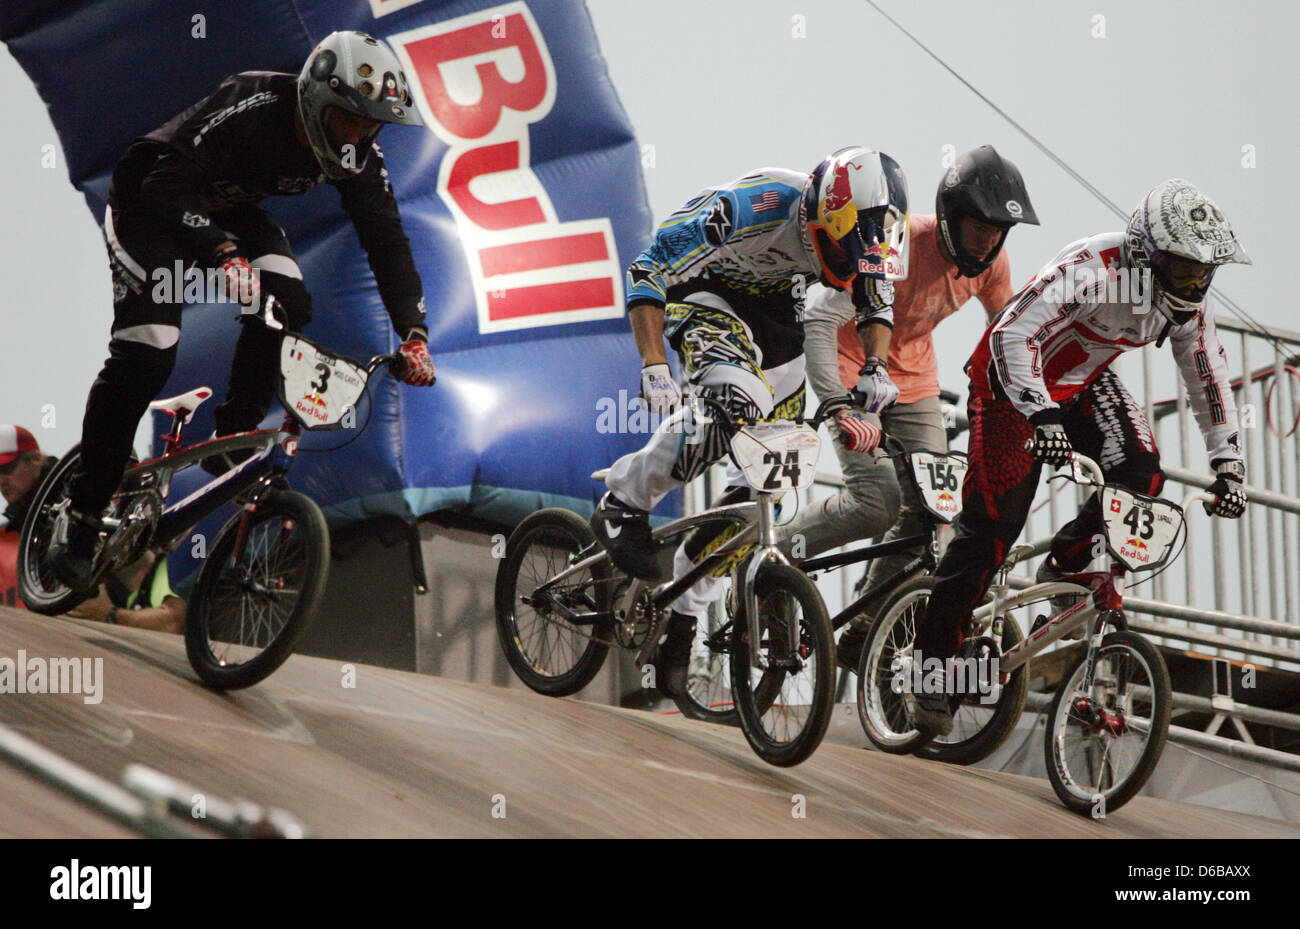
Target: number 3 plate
(777, 457)
(938, 480)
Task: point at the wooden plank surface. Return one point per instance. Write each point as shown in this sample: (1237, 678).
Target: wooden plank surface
(401, 754)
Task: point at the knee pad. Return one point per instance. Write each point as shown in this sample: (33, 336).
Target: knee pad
(1139, 473)
(708, 441)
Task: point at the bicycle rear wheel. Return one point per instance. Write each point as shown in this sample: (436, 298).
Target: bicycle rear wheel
(38, 587)
(784, 709)
(257, 591)
(547, 652)
(1103, 742)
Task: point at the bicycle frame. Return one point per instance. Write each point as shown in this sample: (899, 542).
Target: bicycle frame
(1104, 592)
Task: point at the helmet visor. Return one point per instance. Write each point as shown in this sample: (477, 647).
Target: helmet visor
(1184, 278)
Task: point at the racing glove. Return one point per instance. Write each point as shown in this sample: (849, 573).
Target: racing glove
(1050, 445)
(877, 391)
(414, 365)
(1230, 496)
(857, 432)
(658, 389)
(237, 276)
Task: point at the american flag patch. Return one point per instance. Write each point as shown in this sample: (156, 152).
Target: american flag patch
(768, 200)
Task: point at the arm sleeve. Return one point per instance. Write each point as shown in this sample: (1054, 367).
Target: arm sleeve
(1016, 340)
(996, 292)
(368, 199)
(827, 310)
(1204, 368)
(873, 302)
(682, 244)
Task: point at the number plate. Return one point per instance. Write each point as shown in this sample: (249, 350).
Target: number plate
(318, 387)
(777, 457)
(938, 480)
(1140, 530)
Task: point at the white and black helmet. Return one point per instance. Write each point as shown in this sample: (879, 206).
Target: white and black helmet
(360, 75)
(1181, 235)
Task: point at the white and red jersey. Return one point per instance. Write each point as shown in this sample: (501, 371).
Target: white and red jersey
(1080, 312)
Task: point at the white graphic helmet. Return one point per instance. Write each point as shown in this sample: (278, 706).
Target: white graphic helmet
(350, 85)
(853, 217)
(1181, 235)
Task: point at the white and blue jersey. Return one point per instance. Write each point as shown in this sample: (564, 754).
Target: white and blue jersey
(743, 248)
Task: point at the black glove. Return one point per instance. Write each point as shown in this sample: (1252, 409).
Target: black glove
(1050, 445)
(1230, 497)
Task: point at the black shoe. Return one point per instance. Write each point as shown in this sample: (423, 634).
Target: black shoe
(849, 650)
(625, 534)
(673, 656)
(931, 713)
(72, 556)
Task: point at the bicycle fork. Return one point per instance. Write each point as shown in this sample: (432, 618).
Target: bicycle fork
(765, 551)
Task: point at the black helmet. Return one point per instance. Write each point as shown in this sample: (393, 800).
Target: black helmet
(984, 185)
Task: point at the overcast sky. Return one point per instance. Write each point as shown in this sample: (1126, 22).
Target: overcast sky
(1156, 89)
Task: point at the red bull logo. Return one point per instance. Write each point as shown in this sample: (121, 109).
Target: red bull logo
(947, 503)
(839, 193)
(1135, 550)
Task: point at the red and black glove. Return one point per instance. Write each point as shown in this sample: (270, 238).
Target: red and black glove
(238, 277)
(414, 366)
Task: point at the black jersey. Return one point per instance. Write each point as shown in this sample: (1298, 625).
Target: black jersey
(240, 145)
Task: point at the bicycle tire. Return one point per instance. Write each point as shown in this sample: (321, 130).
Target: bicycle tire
(240, 571)
(983, 740)
(817, 642)
(39, 589)
(708, 695)
(1125, 787)
(568, 533)
(881, 708)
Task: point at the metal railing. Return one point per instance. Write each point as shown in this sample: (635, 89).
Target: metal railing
(1236, 590)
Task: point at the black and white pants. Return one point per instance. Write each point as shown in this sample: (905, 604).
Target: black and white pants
(147, 310)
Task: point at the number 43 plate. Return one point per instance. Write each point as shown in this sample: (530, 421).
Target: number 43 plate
(777, 457)
(1140, 530)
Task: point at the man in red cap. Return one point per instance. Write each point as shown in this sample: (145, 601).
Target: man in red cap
(22, 467)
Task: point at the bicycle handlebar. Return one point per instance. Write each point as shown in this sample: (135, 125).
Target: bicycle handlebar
(1097, 479)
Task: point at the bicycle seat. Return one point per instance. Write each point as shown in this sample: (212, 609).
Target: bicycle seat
(183, 405)
(1016, 554)
(600, 475)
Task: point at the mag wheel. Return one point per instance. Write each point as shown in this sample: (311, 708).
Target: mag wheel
(548, 652)
(1105, 738)
(38, 587)
(784, 709)
(258, 590)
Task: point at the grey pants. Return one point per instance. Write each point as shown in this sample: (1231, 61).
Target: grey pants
(871, 501)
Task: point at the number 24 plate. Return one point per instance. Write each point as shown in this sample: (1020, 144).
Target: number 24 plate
(777, 457)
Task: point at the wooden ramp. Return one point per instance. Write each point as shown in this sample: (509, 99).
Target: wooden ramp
(402, 754)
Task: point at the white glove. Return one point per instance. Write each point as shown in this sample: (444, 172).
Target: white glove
(875, 391)
(659, 390)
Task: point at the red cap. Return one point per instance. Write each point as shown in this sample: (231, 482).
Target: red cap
(14, 440)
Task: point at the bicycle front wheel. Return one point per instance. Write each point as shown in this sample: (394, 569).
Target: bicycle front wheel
(785, 708)
(1104, 740)
(38, 587)
(257, 591)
